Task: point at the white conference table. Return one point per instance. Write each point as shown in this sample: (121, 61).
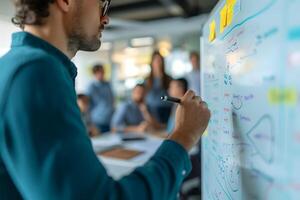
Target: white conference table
(118, 168)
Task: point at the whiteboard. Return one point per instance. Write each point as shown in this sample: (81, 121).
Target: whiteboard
(251, 82)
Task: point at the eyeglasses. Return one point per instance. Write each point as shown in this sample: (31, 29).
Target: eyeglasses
(105, 5)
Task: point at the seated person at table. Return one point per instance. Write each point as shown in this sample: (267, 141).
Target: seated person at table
(133, 115)
(177, 88)
(83, 102)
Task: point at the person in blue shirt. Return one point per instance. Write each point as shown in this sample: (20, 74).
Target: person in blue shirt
(194, 77)
(45, 153)
(133, 115)
(101, 100)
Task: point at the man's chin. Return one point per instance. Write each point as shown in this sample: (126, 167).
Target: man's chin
(92, 46)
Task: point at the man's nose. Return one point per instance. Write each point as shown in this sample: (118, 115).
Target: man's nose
(104, 20)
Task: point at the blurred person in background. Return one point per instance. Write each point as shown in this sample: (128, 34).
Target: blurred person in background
(178, 87)
(157, 85)
(83, 102)
(101, 100)
(45, 152)
(194, 77)
(133, 115)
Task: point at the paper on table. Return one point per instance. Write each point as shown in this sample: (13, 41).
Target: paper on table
(109, 140)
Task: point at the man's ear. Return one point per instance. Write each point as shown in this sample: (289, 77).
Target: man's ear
(64, 5)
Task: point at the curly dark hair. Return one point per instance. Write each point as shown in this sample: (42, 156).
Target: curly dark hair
(30, 12)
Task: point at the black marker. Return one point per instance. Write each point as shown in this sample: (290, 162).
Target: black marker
(176, 100)
(170, 99)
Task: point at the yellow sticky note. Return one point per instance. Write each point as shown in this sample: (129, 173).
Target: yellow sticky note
(212, 31)
(286, 96)
(230, 13)
(223, 18)
(274, 96)
(230, 10)
(290, 96)
(231, 2)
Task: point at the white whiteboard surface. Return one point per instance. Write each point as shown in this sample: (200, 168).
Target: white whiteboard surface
(251, 82)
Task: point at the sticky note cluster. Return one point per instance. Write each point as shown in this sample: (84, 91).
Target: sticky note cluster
(286, 96)
(226, 17)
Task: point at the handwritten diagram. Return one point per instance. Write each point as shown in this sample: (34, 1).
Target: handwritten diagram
(251, 73)
(261, 135)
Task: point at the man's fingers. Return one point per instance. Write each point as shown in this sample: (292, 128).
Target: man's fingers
(197, 98)
(189, 95)
(204, 104)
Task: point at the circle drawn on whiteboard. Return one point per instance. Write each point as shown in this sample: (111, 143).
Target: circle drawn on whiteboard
(237, 103)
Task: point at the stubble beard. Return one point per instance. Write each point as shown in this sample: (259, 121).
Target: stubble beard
(79, 40)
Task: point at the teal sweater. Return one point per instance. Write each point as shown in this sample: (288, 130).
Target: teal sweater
(44, 150)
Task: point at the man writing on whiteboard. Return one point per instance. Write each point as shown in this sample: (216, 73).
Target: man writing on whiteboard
(44, 150)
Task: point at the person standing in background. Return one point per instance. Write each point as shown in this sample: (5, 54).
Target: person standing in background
(157, 85)
(194, 77)
(101, 100)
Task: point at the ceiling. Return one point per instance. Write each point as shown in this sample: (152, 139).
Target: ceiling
(144, 10)
(149, 10)
(136, 18)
